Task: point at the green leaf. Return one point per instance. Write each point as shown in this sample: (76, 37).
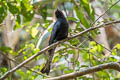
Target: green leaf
(34, 31)
(20, 72)
(68, 71)
(104, 75)
(25, 57)
(43, 11)
(45, 25)
(84, 66)
(72, 18)
(92, 43)
(88, 7)
(114, 58)
(71, 51)
(82, 18)
(2, 70)
(74, 41)
(100, 48)
(17, 26)
(28, 14)
(3, 12)
(93, 50)
(56, 59)
(62, 67)
(114, 52)
(18, 19)
(117, 46)
(78, 28)
(5, 49)
(78, 63)
(13, 9)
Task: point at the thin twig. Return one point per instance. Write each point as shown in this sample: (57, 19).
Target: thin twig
(100, 45)
(52, 45)
(104, 13)
(99, 18)
(24, 65)
(112, 65)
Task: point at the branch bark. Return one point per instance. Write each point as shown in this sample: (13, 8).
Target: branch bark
(112, 65)
(27, 67)
(53, 45)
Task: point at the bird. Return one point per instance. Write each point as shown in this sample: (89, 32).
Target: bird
(59, 32)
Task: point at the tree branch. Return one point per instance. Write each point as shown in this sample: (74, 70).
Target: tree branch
(27, 67)
(53, 45)
(105, 12)
(112, 65)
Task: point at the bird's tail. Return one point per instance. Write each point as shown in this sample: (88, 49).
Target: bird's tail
(46, 68)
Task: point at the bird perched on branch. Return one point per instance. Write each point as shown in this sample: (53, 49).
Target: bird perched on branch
(59, 32)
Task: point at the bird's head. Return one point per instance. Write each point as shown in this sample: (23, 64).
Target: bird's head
(59, 14)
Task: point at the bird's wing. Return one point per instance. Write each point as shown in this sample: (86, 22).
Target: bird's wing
(54, 32)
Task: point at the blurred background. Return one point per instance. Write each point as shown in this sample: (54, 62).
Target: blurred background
(25, 28)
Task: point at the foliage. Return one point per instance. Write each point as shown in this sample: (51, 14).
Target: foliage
(74, 55)
(17, 8)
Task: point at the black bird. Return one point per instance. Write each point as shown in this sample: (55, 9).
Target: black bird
(59, 32)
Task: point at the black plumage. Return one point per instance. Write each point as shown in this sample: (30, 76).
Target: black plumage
(59, 32)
